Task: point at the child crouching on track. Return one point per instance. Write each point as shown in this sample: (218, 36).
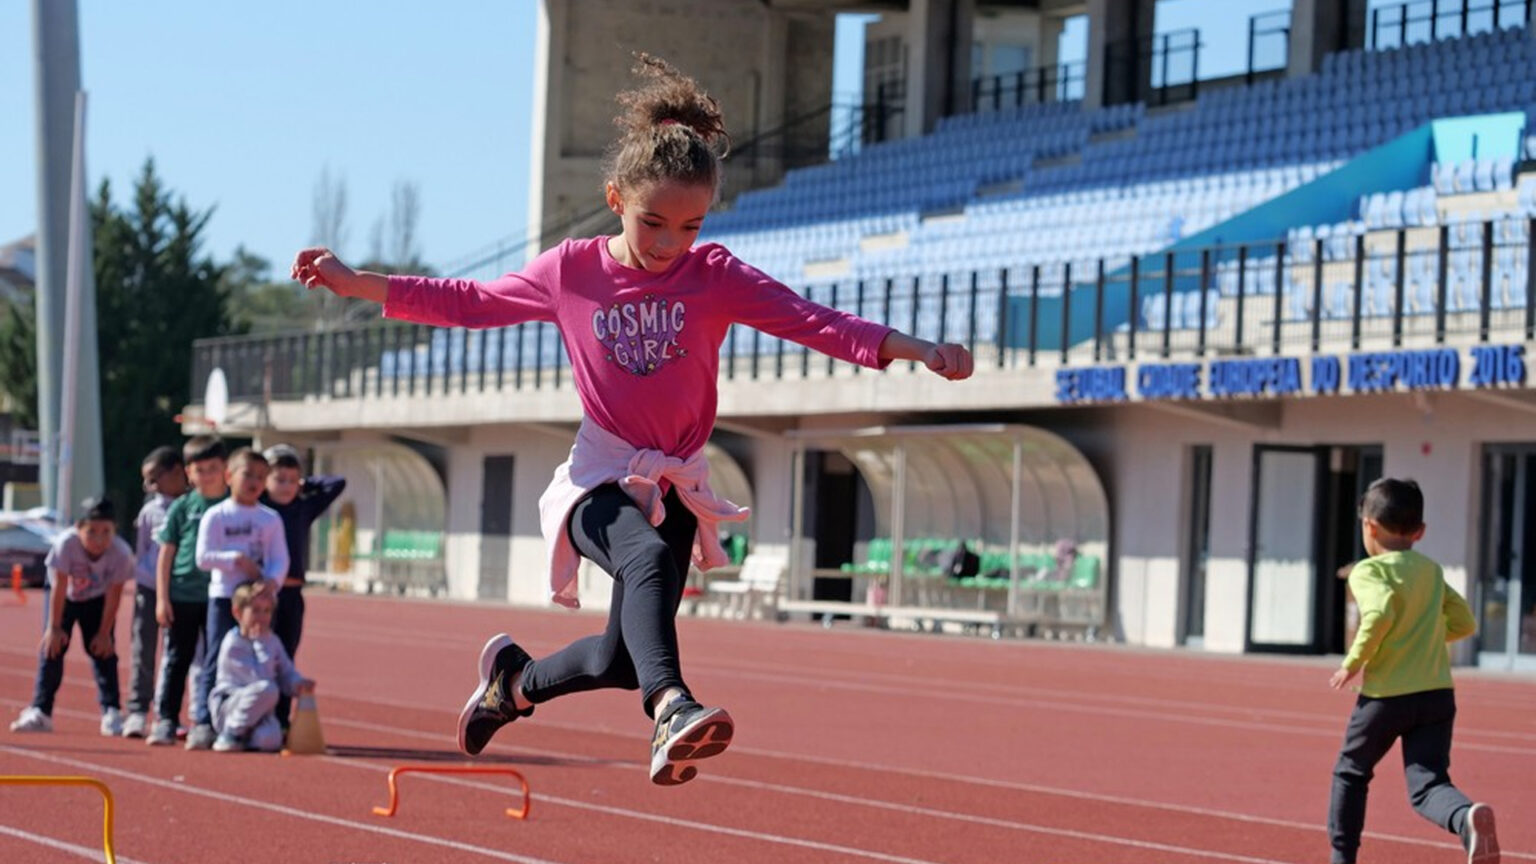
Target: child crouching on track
(87, 571)
(253, 671)
(1407, 615)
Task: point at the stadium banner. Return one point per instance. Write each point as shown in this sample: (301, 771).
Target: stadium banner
(1476, 368)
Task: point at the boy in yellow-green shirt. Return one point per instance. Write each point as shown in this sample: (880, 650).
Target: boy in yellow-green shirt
(1407, 615)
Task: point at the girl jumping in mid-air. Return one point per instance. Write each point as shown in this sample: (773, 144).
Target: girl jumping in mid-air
(642, 314)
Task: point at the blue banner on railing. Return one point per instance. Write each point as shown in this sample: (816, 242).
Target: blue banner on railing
(1485, 366)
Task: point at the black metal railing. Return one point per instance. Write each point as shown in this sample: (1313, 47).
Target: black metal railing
(1061, 83)
(1158, 70)
(1266, 32)
(1416, 286)
(754, 162)
(1399, 24)
(882, 114)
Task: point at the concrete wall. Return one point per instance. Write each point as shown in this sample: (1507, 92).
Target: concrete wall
(537, 450)
(762, 64)
(1142, 453)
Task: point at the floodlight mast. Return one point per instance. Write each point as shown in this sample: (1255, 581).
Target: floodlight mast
(56, 50)
(69, 390)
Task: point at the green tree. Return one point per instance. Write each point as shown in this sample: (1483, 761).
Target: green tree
(18, 361)
(263, 306)
(156, 291)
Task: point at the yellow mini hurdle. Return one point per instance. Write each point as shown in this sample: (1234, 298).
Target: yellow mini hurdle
(106, 799)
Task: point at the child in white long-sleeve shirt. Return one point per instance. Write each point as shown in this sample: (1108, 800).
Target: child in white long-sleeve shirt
(238, 540)
(253, 671)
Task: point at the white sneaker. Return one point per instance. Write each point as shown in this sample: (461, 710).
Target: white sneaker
(111, 723)
(32, 720)
(201, 737)
(136, 724)
(1481, 837)
(162, 734)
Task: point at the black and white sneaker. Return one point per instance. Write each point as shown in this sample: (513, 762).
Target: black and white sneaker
(687, 732)
(491, 706)
(1481, 837)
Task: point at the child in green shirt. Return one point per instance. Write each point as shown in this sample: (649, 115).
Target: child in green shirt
(181, 593)
(1407, 615)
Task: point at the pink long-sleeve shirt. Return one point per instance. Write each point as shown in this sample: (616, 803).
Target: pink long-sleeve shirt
(644, 347)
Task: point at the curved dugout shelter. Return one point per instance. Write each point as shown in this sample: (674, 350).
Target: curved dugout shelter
(999, 525)
(397, 504)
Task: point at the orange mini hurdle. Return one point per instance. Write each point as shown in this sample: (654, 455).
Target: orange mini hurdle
(394, 788)
(106, 799)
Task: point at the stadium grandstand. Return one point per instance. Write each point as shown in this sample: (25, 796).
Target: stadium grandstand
(1207, 311)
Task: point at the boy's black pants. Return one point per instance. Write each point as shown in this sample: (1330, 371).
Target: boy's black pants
(50, 672)
(649, 564)
(180, 646)
(1423, 721)
(288, 626)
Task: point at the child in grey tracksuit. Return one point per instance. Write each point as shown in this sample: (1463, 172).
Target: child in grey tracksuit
(253, 671)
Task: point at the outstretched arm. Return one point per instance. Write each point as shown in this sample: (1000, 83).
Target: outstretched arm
(947, 359)
(759, 300)
(511, 299)
(318, 267)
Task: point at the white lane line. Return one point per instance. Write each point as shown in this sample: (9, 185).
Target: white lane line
(240, 801)
(95, 854)
(543, 799)
(655, 817)
(1064, 700)
(887, 769)
(1060, 705)
(1212, 668)
(721, 829)
(921, 812)
(927, 775)
(1329, 726)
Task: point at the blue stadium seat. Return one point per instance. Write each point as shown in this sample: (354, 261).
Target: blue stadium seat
(1179, 173)
(1483, 175)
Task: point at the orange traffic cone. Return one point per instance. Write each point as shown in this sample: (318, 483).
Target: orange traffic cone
(16, 584)
(304, 735)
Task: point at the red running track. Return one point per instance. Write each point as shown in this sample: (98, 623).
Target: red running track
(851, 745)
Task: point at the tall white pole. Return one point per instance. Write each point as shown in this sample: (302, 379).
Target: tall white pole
(56, 49)
(74, 291)
(64, 247)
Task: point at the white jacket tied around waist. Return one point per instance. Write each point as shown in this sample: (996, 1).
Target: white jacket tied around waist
(600, 457)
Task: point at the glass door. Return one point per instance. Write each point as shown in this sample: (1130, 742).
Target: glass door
(1506, 590)
(1283, 597)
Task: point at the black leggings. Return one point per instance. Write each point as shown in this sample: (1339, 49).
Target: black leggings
(648, 564)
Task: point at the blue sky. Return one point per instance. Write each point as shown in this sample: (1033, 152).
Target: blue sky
(243, 105)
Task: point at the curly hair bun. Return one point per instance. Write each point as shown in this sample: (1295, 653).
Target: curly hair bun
(672, 129)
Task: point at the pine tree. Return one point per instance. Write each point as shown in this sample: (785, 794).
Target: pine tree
(18, 361)
(155, 293)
